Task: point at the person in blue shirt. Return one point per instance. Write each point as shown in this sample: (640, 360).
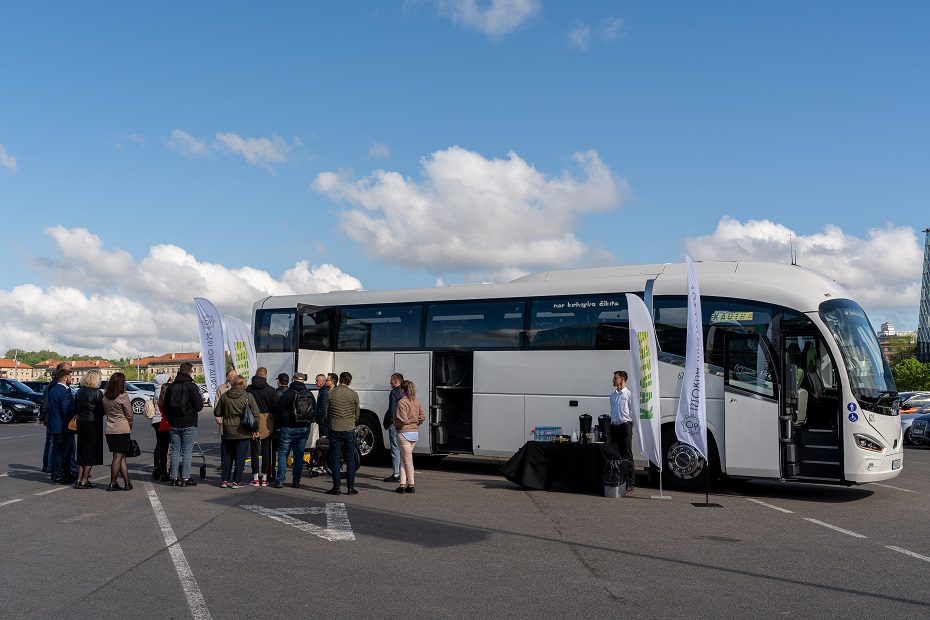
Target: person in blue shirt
(60, 412)
(621, 417)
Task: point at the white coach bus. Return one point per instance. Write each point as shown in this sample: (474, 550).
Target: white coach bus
(797, 385)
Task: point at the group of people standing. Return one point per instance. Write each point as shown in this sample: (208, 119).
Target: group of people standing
(268, 423)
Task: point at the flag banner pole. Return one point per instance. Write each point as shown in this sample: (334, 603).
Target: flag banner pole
(661, 495)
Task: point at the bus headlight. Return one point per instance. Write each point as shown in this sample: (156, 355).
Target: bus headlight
(867, 442)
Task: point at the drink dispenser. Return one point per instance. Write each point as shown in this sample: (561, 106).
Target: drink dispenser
(603, 428)
(584, 423)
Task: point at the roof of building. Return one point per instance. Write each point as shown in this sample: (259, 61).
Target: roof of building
(167, 358)
(8, 363)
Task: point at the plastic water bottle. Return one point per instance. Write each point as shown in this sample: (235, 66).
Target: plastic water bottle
(574, 436)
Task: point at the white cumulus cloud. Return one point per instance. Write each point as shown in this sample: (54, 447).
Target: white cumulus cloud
(186, 144)
(881, 271)
(472, 214)
(491, 17)
(102, 301)
(7, 161)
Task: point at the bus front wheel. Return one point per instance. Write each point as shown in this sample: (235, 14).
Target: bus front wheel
(683, 467)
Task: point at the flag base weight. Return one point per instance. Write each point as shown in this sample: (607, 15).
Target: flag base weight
(705, 505)
(660, 497)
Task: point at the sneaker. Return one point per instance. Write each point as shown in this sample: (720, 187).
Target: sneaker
(351, 492)
(400, 489)
(224, 485)
(411, 489)
(235, 485)
(295, 485)
(333, 492)
(256, 483)
(392, 478)
(264, 482)
(277, 484)
(190, 482)
(174, 482)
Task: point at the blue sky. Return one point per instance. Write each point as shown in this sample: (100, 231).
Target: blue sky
(249, 136)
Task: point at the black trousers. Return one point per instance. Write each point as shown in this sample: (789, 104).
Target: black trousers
(622, 435)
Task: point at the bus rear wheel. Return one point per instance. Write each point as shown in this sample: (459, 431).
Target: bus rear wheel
(683, 466)
(368, 438)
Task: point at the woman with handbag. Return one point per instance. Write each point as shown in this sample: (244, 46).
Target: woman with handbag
(88, 410)
(407, 421)
(236, 410)
(118, 410)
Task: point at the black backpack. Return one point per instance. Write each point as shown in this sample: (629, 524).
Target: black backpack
(303, 408)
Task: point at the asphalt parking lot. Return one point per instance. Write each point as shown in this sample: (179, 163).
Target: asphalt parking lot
(468, 544)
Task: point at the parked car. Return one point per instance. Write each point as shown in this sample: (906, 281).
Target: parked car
(137, 397)
(14, 409)
(145, 386)
(37, 386)
(12, 388)
(920, 429)
(912, 401)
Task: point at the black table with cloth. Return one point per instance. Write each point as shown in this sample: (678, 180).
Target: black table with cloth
(561, 466)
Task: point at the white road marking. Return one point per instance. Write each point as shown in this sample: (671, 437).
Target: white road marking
(4, 474)
(838, 529)
(10, 501)
(888, 486)
(337, 527)
(18, 436)
(779, 509)
(900, 550)
(195, 600)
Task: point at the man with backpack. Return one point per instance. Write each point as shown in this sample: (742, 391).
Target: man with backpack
(293, 413)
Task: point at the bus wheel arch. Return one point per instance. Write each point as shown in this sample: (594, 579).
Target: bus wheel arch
(370, 437)
(682, 467)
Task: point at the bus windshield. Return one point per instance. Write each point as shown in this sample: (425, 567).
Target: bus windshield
(868, 370)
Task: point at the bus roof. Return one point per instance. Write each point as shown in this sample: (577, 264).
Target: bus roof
(787, 285)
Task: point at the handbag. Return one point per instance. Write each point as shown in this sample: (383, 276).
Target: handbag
(149, 409)
(248, 418)
(72, 425)
(133, 448)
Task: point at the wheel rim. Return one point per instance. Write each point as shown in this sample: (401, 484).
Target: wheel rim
(365, 439)
(138, 406)
(6, 416)
(684, 462)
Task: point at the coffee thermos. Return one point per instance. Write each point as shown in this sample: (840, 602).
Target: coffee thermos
(603, 428)
(584, 423)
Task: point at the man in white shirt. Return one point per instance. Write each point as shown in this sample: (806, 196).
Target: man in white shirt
(621, 419)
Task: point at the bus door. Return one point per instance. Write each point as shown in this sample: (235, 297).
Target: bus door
(811, 408)
(450, 416)
(750, 401)
(416, 368)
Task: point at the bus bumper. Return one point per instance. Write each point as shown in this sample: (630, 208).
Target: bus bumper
(881, 467)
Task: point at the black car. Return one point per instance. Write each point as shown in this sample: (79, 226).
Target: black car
(38, 387)
(14, 409)
(12, 388)
(920, 429)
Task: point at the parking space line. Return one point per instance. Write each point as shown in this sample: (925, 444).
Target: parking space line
(910, 553)
(888, 486)
(838, 529)
(10, 501)
(18, 436)
(778, 508)
(195, 602)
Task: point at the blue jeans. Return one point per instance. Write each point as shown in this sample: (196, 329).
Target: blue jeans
(395, 451)
(182, 445)
(292, 438)
(235, 453)
(339, 442)
(64, 459)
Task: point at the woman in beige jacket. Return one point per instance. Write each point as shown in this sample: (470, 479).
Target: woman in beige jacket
(118, 412)
(407, 421)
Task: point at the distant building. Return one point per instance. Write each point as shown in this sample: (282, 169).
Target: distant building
(15, 369)
(45, 368)
(168, 364)
(888, 335)
(923, 325)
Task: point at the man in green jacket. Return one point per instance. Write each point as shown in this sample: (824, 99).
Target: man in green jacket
(341, 412)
